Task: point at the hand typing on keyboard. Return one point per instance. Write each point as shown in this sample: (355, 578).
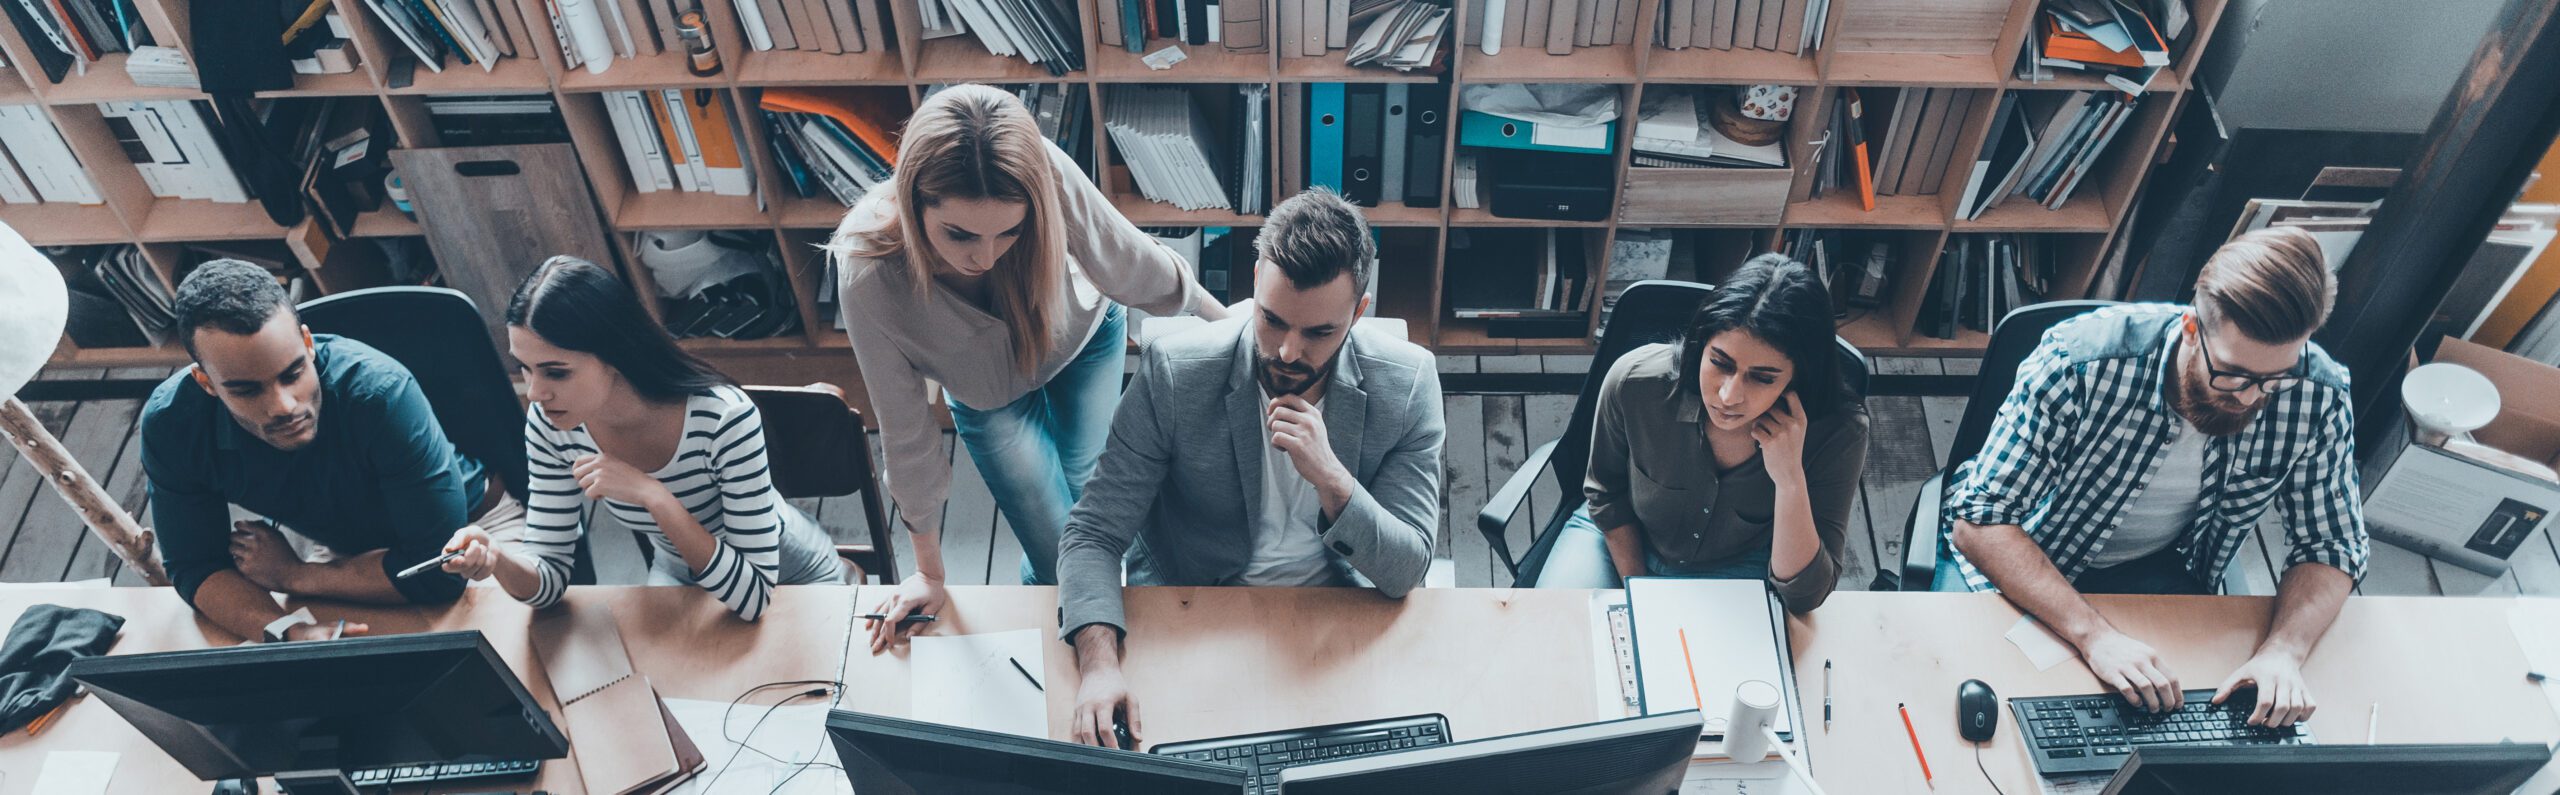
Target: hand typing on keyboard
(2132, 669)
(2283, 699)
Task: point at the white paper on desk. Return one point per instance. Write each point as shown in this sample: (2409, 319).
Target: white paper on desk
(790, 754)
(76, 772)
(2536, 622)
(2039, 644)
(1750, 778)
(1735, 634)
(2090, 784)
(969, 681)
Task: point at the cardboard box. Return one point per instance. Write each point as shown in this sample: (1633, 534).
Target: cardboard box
(2457, 508)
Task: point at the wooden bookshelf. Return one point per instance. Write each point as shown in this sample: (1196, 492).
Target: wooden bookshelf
(1873, 44)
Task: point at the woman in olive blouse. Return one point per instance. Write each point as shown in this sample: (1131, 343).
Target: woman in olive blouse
(1732, 453)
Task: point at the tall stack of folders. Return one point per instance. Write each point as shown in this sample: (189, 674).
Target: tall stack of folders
(1904, 137)
(468, 32)
(680, 140)
(1194, 147)
(1794, 27)
(1046, 33)
(2124, 42)
(1374, 143)
(1403, 35)
(833, 27)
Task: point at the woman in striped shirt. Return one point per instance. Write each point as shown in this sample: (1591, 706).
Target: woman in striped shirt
(670, 446)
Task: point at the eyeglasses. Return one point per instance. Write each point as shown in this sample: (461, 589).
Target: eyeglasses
(2228, 381)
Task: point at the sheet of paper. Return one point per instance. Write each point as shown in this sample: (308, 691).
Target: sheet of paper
(2073, 785)
(76, 772)
(1752, 778)
(970, 681)
(2536, 622)
(1732, 632)
(786, 752)
(2039, 644)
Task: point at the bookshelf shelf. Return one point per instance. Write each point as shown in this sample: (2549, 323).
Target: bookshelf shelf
(343, 84)
(1331, 69)
(107, 82)
(387, 222)
(65, 224)
(673, 209)
(2168, 81)
(815, 212)
(1396, 214)
(1959, 70)
(2085, 212)
(1142, 212)
(518, 75)
(1612, 64)
(961, 59)
(1205, 63)
(1840, 208)
(198, 219)
(1730, 67)
(1479, 217)
(796, 68)
(657, 71)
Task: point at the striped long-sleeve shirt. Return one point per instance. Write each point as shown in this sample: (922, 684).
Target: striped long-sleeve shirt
(718, 472)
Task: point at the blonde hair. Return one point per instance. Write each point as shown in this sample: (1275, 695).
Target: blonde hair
(970, 142)
(2271, 283)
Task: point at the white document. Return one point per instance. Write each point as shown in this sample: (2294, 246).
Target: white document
(1734, 632)
(1747, 778)
(970, 681)
(2039, 644)
(76, 773)
(790, 754)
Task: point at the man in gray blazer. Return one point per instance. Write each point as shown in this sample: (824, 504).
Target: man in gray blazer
(1286, 446)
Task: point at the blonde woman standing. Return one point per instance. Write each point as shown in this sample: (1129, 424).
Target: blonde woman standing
(989, 265)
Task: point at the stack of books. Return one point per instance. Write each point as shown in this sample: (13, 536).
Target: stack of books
(1557, 26)
(1403, 35)
(1046, 33)
(1178, 156)
(1981, 277)
(471, 31)
(1130, 24)
(833, 27)
(1912, 139)
(40, 166)
(1794, 27)
(2042, 144)
(1373, 143)
(679, 139)
(315, 40)
(166, 67)
(1672, 131)
(64, 35)
(2125, 42)
(175, 145)
(1529, 283)
(496, 120)
(835, 140)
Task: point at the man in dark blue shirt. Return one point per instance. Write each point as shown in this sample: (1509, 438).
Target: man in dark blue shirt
(325, 436)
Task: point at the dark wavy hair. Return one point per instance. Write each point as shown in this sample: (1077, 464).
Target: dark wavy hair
(578, 305)
(1780, 301)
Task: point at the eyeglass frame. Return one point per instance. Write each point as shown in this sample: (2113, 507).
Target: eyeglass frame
(2266, 384)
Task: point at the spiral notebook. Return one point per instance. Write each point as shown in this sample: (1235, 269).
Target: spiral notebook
(606, 707)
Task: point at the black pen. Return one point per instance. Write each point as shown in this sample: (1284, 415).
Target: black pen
(430, 563)
(912, 618)
(1026, 674)
(1826, 695)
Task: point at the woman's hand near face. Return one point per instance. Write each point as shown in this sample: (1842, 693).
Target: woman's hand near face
(1780, 432)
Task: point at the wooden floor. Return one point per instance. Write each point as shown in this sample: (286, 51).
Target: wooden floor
(1489, 434)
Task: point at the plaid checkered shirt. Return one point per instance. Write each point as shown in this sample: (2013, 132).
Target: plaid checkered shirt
(2081, 434)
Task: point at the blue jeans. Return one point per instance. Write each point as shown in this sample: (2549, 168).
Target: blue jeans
(1580, 559)
(1036, 451)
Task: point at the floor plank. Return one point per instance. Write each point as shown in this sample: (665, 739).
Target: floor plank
(2393, 571)
(968, 522)
(24, 483)
(52, 531)
(1858, 548)
(1543, 420)
(1505, 446)
(1463, 461)
(124, 483)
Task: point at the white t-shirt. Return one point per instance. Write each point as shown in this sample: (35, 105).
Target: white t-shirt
(1287, 547)
(2167, 508)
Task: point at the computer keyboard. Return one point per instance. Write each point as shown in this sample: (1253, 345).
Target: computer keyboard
(1263, 755)
(443, 773)
(2093, 733)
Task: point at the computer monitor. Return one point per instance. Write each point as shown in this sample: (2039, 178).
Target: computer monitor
(2329, 769)
(890, 755)
(327, 707)
(1635, 756)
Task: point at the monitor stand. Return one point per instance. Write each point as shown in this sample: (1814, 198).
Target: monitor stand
(316, 782)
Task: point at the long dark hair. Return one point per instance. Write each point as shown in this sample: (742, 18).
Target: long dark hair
(579, 306)
(1780, 301)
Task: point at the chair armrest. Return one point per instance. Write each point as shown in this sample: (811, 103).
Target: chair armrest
(1920, 535)
(1495, 519)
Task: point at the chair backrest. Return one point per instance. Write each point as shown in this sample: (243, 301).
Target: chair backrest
(813, 441)
(2011, 341)
(438, 334)
(1649, 312)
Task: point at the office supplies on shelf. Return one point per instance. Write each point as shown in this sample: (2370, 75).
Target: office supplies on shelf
(1740, 637)
(1264, 755)
(2094, 732)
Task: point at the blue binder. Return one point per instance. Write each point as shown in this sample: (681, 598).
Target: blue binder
(1478, 128)
(1325, 119)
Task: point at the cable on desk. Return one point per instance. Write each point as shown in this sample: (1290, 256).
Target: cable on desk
(824, 688)
(1977, 765)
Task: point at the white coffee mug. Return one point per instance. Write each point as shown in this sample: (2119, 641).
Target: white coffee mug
(1755, 707)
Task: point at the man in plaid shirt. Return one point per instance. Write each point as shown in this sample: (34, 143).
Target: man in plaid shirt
(2140, 447)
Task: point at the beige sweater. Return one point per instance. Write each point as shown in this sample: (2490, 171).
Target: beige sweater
(900, 342)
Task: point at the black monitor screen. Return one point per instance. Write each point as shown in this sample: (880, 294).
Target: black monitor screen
(2330, 770)
(335, 705)
(900, 757)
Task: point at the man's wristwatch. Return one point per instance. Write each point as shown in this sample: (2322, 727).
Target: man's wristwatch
(275, 629)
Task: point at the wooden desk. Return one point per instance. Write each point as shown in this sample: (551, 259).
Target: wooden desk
(684, 640)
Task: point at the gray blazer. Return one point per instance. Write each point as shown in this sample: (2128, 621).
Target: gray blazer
(1181, 479)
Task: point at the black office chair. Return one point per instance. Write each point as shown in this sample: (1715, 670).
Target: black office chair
(2011, 341)
(439, 335)
(816, 446)
(1649, 312)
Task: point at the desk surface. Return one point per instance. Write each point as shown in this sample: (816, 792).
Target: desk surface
(1215, 661)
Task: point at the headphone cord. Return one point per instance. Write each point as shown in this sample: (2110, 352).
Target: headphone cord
(1986, 772)
(824, 687)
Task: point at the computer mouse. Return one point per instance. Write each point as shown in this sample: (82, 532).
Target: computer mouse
(1977, 711)
(236, 786)
(1120, 735)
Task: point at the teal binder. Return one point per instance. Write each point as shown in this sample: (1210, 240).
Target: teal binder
(1478, 128)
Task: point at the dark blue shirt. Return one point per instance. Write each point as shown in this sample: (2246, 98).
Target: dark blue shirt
(378, 475)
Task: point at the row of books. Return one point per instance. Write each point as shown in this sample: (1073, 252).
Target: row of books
(2124, 42)
(1531, 282)
(1130, 24)
(1558, 26)
(1403, 35)
(1175, 152)
(472, 32)
(678, 139)
(68, 35)
(1794, 27)
(1981, 277)
(833, 27)
(40, 166)
(2042, 144)
(834, 141)
(1046, 33)
(1913, 139)
(1375, 143)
